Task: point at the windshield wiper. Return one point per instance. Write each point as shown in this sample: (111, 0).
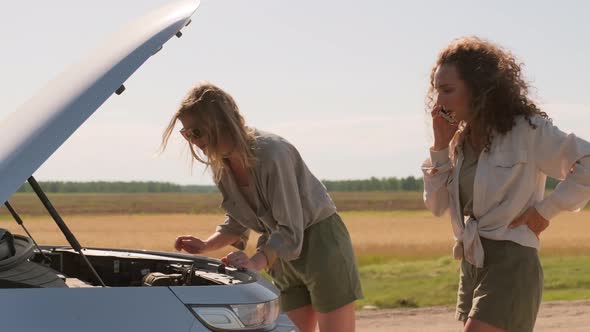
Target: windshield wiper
(62, 225)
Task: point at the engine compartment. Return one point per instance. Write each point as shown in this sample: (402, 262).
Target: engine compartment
(134, 269)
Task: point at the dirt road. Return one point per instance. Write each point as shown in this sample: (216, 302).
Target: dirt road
(554, 316)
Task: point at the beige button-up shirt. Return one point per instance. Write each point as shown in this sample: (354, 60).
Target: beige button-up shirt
(509, 179)
(287, 199)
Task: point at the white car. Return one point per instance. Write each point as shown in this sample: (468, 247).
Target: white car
(57, 288)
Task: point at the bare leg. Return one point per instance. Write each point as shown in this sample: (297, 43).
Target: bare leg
(305, 318)
(474, 325)
(338, 320)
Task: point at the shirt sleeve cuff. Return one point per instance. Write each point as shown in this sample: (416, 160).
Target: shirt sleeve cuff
(269, 253)
(439, 162)
(547, 209)
(439, 157)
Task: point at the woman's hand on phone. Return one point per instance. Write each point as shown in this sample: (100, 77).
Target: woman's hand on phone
(443, 129)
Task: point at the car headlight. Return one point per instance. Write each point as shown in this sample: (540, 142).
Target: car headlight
(239, 316)
(257, 315)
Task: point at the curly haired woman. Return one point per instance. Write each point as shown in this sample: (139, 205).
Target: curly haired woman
(493, 150)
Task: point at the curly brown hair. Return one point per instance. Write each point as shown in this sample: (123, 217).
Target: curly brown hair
(498, 92)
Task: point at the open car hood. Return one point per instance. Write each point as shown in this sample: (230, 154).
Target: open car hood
(32, 133)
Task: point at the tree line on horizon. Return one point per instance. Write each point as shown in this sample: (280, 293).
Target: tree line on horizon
(409, 183)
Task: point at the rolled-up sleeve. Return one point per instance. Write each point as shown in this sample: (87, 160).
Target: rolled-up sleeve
(233, 227)
(436, 171)
(286, 240)
(567, 158)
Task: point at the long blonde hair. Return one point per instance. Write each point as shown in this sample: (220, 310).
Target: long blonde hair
(219, 115)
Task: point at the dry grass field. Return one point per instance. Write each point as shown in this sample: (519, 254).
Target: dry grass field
(398, 234)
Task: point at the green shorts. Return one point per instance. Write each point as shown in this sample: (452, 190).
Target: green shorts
(507, 291)
(325, 275)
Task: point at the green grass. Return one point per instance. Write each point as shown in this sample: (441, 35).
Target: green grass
(566, 278)
(396, 283)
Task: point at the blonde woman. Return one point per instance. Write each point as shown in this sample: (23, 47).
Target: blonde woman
(493, 149)
(267, 188)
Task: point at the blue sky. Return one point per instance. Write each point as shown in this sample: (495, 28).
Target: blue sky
(342, 80)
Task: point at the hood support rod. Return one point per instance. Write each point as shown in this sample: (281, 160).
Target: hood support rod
(62, 225)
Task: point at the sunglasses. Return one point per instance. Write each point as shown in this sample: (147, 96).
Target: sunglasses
(189, 134)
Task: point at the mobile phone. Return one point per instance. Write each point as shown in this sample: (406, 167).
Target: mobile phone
(445, 114)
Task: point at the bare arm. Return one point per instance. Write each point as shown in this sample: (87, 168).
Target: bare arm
(219, 240)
